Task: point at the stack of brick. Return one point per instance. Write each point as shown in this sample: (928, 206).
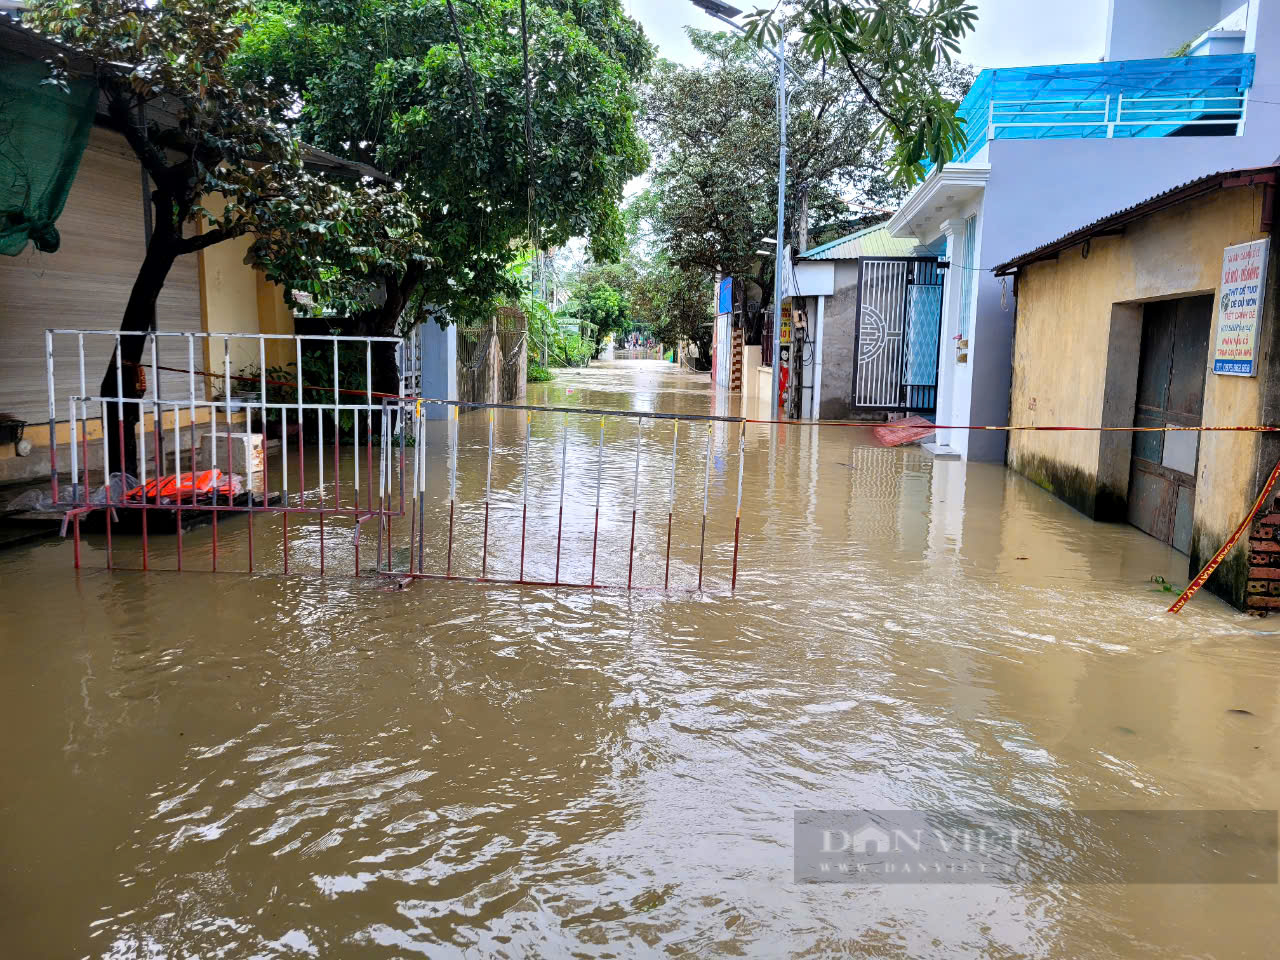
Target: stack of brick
(1263, 591)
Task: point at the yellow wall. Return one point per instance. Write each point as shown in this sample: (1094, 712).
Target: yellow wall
(1061, 354)
(236, 298)
(230, 295)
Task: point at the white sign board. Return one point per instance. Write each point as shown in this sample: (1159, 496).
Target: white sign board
(1240, 301)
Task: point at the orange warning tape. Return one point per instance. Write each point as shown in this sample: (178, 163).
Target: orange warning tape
(798, 423)
(1212, 565)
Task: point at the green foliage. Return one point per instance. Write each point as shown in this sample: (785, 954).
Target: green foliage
(539, 374)
(547, 341)
(714, 135)
(433, 92)
(673, 303)
(317, 383)
(599, 296)
(308, 231)
(891, 50)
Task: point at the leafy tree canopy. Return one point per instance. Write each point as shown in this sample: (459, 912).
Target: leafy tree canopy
(713, 133)
(435, 94)
(674, 303)
(891, 50)
(599, 296)
(712, 197)
(214, 154)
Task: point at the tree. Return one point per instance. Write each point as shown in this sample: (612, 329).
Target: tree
(674, 304)
(892, 50)
(218, 159)
(712, 199)
(506, 121)
(714, 135)
(599, 296)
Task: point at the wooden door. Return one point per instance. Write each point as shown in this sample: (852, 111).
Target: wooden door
(1171, 377)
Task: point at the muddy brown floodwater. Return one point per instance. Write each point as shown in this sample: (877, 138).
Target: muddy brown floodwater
(231, 766)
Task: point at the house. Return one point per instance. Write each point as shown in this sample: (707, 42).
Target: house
(871, 304)
(1050, 147)
(103, 230)
(867, 295)
(1158, 315)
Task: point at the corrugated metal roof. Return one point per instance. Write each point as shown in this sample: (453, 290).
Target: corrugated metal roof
(1112, 221)
(869, 242)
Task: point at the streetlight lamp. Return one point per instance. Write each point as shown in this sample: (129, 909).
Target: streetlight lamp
(725, 13)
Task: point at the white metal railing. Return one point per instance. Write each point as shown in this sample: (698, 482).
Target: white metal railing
(1112, 116)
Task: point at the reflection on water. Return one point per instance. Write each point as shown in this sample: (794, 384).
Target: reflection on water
(225, 765)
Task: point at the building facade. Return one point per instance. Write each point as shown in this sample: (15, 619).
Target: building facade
(845, 314)
(1051, 147)
(1117, 325)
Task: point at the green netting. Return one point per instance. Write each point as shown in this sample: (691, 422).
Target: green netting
(44, 128)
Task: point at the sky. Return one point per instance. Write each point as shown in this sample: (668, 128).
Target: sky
(1009, 32)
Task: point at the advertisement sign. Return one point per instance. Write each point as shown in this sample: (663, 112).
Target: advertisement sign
(1240, 302)
(784, 334)
(726, 296)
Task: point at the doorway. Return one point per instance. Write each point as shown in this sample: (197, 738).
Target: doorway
(897, 333)
(1171, 376)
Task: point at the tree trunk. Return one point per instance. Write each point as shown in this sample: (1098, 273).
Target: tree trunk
(384, 321)
(802, 220)
(130, 382)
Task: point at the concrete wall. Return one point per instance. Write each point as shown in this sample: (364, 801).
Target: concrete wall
(750, 366)
(973, 383)
(1075, 362)
(1140, 29)
(839, 322)
(440, 366)
(1041, 189)
(229, 294)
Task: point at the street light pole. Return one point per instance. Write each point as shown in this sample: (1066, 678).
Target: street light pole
(779, 255)
(724, 13)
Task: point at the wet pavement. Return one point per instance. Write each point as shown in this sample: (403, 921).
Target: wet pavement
(224, 765)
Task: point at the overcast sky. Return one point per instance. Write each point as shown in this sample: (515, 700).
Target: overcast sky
(1009, 32)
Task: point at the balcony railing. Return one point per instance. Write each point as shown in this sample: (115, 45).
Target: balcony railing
(1177, 96)
(1117, 116)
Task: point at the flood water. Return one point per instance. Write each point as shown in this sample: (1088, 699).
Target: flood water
(225, 765)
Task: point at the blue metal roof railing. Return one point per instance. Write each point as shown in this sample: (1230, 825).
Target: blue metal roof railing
(1175, 96)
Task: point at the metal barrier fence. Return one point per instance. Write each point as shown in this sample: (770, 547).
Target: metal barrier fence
(638, 353)
(411, 413)
(207, 488)
(207, 481)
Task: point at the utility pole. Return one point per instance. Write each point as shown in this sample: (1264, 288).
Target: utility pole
(802, 218)
(725, 13)
(779, 254)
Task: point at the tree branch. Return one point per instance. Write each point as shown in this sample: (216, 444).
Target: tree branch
(466, 67)
(202, 240)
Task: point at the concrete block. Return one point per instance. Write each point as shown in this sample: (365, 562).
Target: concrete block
(247, 457)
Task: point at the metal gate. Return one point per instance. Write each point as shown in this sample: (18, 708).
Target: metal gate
(896, 338)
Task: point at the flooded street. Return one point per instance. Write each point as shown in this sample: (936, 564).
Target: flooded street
(230, 765)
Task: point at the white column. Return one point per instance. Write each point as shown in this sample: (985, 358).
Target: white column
(817, 359)
(953, 230)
